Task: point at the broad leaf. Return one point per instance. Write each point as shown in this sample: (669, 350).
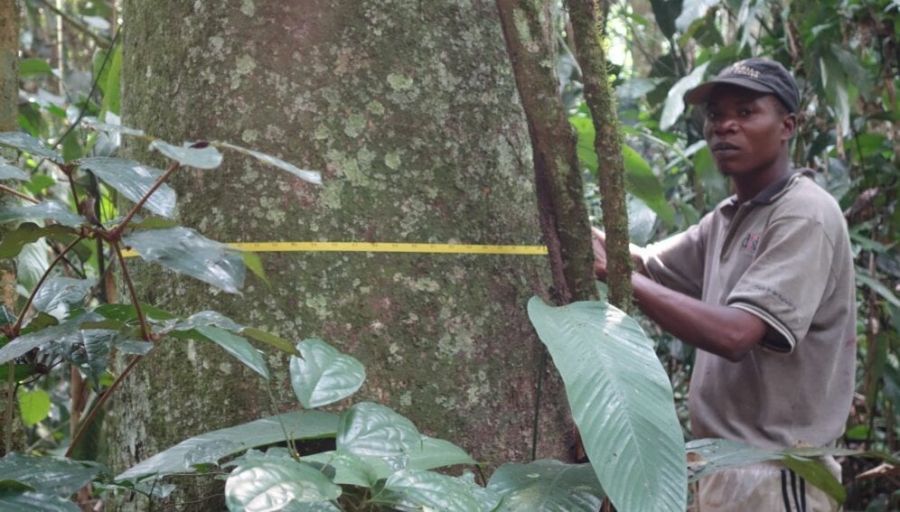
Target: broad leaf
(48, 474)
(133, 180)
(434, 453)
(416, 490)
(186, 251)
(199, 158)
(57, 291)
(621, 400)
(32, 340)
(28, 144)
(207, 318)
(34, 406)
(322, 375)
(273, 484)
(35, 502)
(11, 172)
(237, 346)
(28, 232)
(708, 456)
(352, 469)
(310, 176)
(547, 486)
(372, 429)
(817, 474)
(97, 345)
(675, 99)
(33, 67)
(46, 210)
(644, 185)
(214, 446)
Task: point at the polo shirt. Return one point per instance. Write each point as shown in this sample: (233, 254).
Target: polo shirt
(785, 257)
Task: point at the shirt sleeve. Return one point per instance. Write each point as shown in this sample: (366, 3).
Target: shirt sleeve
(787, 280)
(677, 262)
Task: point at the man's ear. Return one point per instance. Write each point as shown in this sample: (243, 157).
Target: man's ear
(788, 126)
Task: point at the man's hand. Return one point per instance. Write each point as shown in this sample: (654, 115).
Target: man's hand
(598, 242)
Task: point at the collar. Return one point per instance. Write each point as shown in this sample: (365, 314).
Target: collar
(769, 194)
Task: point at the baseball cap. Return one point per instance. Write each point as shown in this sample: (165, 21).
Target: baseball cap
(756, 74)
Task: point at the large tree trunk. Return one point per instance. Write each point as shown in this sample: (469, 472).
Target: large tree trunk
(410, 110)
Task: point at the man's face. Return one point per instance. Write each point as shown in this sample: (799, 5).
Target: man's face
(745, 129)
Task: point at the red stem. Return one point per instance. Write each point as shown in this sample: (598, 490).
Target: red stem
(145, 330)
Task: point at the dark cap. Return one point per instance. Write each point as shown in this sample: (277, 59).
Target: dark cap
(756, 74)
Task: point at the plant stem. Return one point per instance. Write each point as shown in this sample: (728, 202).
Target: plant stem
(145, 330)
(59, 257)
(10, 403)
(18, 194)
(77, 24)
(118, 230)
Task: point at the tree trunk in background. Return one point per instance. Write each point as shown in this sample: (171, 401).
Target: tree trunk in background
(410, 110)
(9, 101)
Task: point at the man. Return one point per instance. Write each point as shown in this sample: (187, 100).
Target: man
(763, 286)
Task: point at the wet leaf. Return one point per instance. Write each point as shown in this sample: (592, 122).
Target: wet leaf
(310, 176)
(47, 474)
(24, 142)
(372, 429)
(45, 210)
(237, 346)
(133, 180)
(199, 158)
(272, 484)
(186, 251)
(547, 485)
(57, 291)
(322, 375)
(416, 490)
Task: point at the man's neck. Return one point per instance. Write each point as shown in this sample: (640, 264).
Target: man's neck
(749, 186)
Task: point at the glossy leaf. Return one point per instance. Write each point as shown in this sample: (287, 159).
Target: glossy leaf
(416, 490)
(322, 375)
(434, 453)
(11, 172)
(133, 180)
(28, 232)
(207, 318)
(269, 339)
(97, 345)
(34, 406)
(45, 210)
(815, 473)
(238, 347)
(32, 340)
(547, 486)
(310, 176)
(213, 446)
(621, 400)
(708, 456)
(47, 474)
(372, 429)
(352, 469)
(61, 290)
(199, 158)
(675, 99)
(35, 502)
(28, 144)
(186, 251)
(272, 484)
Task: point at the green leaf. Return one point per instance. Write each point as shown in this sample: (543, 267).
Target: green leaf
(34, 406)
(46, 210)
(415, 490)
(643, 184)
(28, 232)
(817, 474)
(693, 10)
(434, 453)
(708, 456)
(34, 67)
(372, 429)
(112, 95)
(11, 172)
(269, 339)
(877, 286)
(46, 474)
(97, 345)
(133, 180)
(586, 132)
(59, 290)
(28, 144)
(352, 469)
(675, 99)
(127, 313)
(207, 318)
(213, 446)
(547, 485)
(186, 251)
(621, 400)
(237, 346)
(27, 342)
(252, 261)
(272, 484)
(310, 176)
(322, 375)
(200, 158)
(35, 502)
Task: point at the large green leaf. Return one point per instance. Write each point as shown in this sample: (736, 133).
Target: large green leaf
(45, 210)
(188, 252)
(206, 157)
(11, 172)
(434, 453)
(708, 456)
(46, 474)
(350, 469)
(18, 347)
(416, 490)
(273, 484)
(35, 502)
(322, 375)
(34, 67)
(310, 176)
(817, 474)
(371, 429)
(133, 180)
(621, 401)
(643, 184)
(28, 232)
(27, 143)
(675, 99)
(34, 406)
(61, 290)
(211, 447)
(237, 346)
(547, 486)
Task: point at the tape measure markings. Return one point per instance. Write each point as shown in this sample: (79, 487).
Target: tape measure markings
(394, 247)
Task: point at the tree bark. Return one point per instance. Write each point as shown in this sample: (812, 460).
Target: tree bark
(586, 17)
(410, 110)
(530, 38)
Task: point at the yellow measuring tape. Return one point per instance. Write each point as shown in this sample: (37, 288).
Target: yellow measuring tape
(524, 250)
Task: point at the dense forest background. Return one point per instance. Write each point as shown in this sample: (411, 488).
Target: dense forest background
(412, 117)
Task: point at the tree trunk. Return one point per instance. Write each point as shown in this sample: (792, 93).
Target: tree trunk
(410, 111)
